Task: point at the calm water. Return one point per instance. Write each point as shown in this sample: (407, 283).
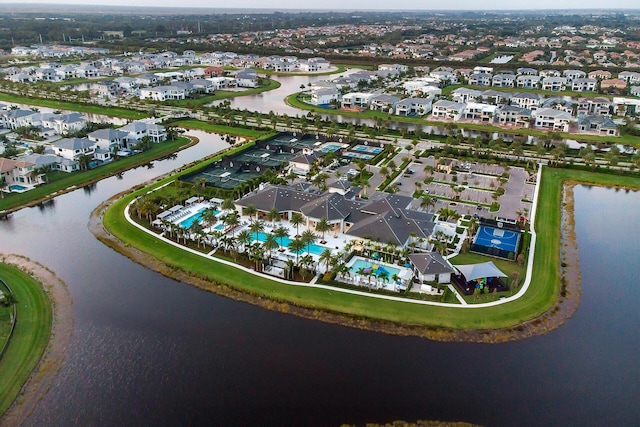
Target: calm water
(147, 350)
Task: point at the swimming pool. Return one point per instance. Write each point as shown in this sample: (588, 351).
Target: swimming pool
(17, 188)
(186, 223)
(313, 248)
(377, 267)
(330, 147)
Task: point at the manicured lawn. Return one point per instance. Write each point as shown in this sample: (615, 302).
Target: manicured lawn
(30, 336)
(61, 105)
(208, 127)
(60, 181)
(540, 296)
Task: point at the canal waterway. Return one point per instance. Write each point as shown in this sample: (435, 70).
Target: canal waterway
(147, 350)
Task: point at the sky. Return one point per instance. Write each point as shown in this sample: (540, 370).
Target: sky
(359, 4)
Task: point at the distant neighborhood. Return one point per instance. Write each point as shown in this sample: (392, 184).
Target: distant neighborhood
(52, 149)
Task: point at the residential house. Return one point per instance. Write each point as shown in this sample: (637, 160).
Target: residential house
(528, 81)
(413, 106)
(162, 93)
(584, 85)
(511, 115)
(324, 96)
(503, 80)
(73, 148)
(247, 78)
(18, 172)
(526, 71)
(599, 74)
(479, 112)
(202, 86)
(463, 94)
(608, 84)
(631, 77)
(550, 73)
(480, 79)
(635, 91)
(594, 107)
(213, 72)
(555, 84)
(550, 118)
(526, 100)
(383, 102)
(139, 129)
(597, 124)
(450, 110)
(356, 100)
(108, 139)
(106, 88)
(147, 80)
(572, 75)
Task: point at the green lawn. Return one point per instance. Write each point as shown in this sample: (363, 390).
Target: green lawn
(222, 94)
(209, 127)
(540, 296)
(30, 336)
(60, 180)
(61, 105)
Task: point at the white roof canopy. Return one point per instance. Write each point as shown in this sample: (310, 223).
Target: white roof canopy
(479, 271)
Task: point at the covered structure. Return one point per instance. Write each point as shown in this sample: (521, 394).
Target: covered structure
(481, 276)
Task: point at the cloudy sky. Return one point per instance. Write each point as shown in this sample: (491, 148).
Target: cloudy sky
(359, 4)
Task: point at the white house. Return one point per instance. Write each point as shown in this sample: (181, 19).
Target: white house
(73, 148)
(414, 106)
(447, 109)
(162, 93)
(108, 139)
(550, 118)
(584, 85)
(324, 96)
(356, 99)
(431, 267)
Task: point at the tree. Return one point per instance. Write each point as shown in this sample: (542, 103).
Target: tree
(256, 228)
(232, 221)
(296, 220)
(270, 243)
(323, 226)
(209, 217)
(280, 233)
(427, 202)
(251, 210)
(244, 237)
(308, 237)
(296, 245)
(273, 215)
(326, 257)
(289, 265)
(228, 205)
(320, 181)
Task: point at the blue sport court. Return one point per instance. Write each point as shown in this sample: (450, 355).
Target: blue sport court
(490, 237)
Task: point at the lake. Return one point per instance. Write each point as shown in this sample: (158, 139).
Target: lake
(147, 350)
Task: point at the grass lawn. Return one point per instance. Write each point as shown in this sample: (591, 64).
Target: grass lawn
(340, 69)
(540, 296)
(208, 127)
(60, 180)
(30, 336)
(61, 105)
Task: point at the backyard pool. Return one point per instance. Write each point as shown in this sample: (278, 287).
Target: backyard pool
(17, 188)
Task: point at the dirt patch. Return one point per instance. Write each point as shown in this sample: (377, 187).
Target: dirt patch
(47, 369)
(562, 310)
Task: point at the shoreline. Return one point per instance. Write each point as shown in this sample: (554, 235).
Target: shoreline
(548, 321)
(46, 371)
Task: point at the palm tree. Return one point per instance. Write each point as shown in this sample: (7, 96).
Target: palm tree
(195, 229)
(256, 252)
(297, 219)
(289, 265)
(273, 215)
(320, 181)
(308, 237)
(209, 217)
(250, 210)
(323, 226)
(232, 221)
(326, 257)
(280, 233)
(296, 245)
(228, 205)
(384, 276)
(244, 237)
(256, 227)
(270, 243)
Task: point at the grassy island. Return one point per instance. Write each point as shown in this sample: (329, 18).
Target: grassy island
(30, 334)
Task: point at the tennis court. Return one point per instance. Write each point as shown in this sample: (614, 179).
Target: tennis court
(490, 237)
